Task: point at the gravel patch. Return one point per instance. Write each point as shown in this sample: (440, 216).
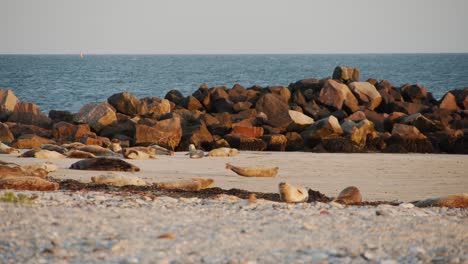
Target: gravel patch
(97, 227)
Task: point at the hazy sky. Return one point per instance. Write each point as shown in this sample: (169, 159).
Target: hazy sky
(236, 26)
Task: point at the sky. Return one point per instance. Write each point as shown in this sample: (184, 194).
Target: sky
(240, 26)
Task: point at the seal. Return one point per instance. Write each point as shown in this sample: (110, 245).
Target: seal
(116, 179)
(115, 145)
(223, 152)
(104, 164)
(349, 195)
(97, 150)
(195, 153)
(193, 184)
(4, 149)
(48, 154)
(131, 153)
(55, 148)
(74, 145)
(48, 166)
(162, 151)
(453, 201)
(78, 154)
(292, 194)
(28, 183)
(253, 171)
(18, 171)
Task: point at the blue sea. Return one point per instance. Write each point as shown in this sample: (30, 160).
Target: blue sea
(67, 82)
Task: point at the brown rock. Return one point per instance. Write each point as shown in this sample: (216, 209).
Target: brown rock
(421, 122)
(254, 132)
(275, 142)
(245, 143)
(346, 74)
(358, 132)
(338, 96)
(393, 118)
(155, 107)
(203, 96)
(196, 133)
(282, 92)
(322, 128)
(22, 129)
(30, 114)
(125, 103)
(58, 116)
(29, 141)
(96, 115)
(272, 105)
(241, 106)
(461, 96)
(406, 131)
(28, 183)
(238, 94)
(294, 141)
(407, 108)
(8, 102)
(336, 144)
(175, 96)
(356, 117)
(449, 102)
(416, 94)
(191, 103)
(366, 93)
(166, 133)
(5, 135)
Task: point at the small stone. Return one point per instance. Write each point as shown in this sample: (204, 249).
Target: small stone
(368, 255)
(336, 205)
(389, 261)
(406, 205)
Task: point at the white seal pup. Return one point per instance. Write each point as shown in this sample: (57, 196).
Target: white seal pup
(292, 194)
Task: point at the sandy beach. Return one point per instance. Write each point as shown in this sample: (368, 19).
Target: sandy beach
(389, 177)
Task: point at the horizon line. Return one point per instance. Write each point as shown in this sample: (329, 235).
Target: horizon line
(241, 53)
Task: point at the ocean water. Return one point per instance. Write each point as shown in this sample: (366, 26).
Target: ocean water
(66, 82)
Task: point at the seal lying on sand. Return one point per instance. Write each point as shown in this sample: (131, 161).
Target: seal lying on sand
(223, 152)
(193, 184)
(161, 151)
(42, 154)
(97, 150)
(17, 171)
(4, 149)
(48, 166)
(115, 145)
(253, 171)
(195, 153)
(456, 201)
(78, 154)
(115, 179)
(349, 195)
(28, 183)
(55, 148)
(292, 194)
(74, 145)
(131, 153)
(104, 164)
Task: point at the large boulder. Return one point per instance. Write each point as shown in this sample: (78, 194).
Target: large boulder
(155, 107)
(30, 141)
(8, 101)
(5, 134)
(191, 103)
(326, 127)
(58, 115)
(241, 142)
(282, 92)
(407, 131)
(366, 93)
(346, 74)
(22, 129)
(96, 115)
(252, 131)
(125, 103)
(299, 121)
(196, 133)
(272, 105)
(449, 102)
(175, 96)
(339, 144)
(461, 96)
(358, 132)
(30, 114)
(338, 96)
(294, 141)
(238, 94)
(421, 122)
(166, 133)
(275, 142)
(416, 94)
(407, 108)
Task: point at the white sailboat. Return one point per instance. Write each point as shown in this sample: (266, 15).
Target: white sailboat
(81, 55)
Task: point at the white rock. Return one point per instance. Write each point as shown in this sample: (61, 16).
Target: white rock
(406, 205)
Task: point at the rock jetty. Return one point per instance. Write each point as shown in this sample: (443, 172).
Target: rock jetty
(338, 114)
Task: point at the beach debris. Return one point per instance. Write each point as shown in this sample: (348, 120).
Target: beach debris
(162, 151)
(74, 145)
(116, 179)
(79, 154)
(28, 183)
(253, 171)
(193, 184)
(115, 145)
(349, 195)
(292, 194)
(4, 149)
(167, 236)
(223, 152)
(136, 153)
(104, 164)
(18, 171)
(454, 201)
